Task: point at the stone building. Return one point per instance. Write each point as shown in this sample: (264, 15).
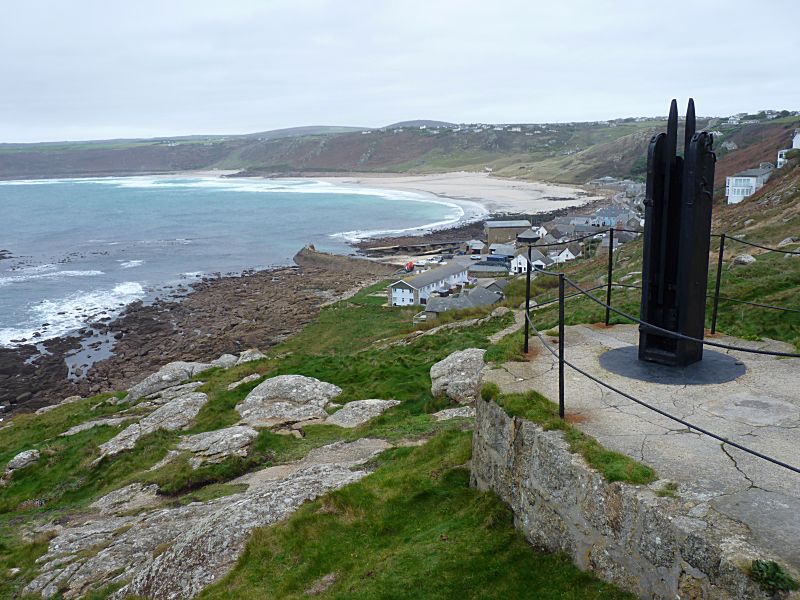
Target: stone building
(500, 232)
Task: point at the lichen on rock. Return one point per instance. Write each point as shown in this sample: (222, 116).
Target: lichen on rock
(458, 376)
(286, 399)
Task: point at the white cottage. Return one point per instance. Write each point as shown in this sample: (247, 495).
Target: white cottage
(417, 289)
(795, 145)
(746, 183)
(519, 264)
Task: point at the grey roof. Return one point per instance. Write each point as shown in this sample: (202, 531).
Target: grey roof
(501, 283)
(480, 296)
(613, 211)
(466, 299)
(558, 231)
(534, 253)
(507, 249)
(433, 275)
(499, 267)
(519, 223)
(757, 172)
(548, 239)
(625, 236)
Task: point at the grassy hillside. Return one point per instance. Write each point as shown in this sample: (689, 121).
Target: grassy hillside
(414, 528)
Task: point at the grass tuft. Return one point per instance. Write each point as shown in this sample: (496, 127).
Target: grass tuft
(614, 466)
(772, 576)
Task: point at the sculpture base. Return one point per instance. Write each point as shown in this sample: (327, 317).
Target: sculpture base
(715, 367)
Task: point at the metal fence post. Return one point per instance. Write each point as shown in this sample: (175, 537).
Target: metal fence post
(527, 298)
(610, 272)
(719, 278)
(561, 345)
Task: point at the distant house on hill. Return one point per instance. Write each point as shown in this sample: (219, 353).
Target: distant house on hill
(795, 145)
(417, 289)
(746, 183)
(499, 232)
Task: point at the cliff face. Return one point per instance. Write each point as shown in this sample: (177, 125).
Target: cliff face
(311, 257)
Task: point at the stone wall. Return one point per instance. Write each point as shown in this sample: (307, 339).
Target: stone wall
(311, 257)
(656, 547)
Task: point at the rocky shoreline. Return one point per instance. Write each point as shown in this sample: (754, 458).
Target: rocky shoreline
(221, 315)
(218, 315)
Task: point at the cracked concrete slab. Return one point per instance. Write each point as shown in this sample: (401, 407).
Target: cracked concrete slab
(758, 408)
(772, 517)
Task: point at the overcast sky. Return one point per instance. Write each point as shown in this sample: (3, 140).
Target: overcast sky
(80, 69)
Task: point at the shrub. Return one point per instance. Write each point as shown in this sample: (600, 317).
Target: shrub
(771, 576)
(490, 391)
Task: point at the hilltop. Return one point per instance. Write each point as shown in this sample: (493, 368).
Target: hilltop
(558, 152)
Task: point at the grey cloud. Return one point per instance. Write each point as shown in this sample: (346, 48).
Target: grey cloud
(89, 69)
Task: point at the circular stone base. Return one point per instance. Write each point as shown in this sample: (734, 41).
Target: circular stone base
(714, 368)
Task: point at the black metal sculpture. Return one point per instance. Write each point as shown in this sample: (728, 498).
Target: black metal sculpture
(677, 237)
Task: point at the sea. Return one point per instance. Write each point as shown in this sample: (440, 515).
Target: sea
(82, 249)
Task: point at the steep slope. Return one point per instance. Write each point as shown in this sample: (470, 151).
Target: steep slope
(756, 144)
(770, 215)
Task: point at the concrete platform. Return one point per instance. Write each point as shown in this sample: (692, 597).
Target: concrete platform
(754, 400)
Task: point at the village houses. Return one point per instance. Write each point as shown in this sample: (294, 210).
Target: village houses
(417, 289)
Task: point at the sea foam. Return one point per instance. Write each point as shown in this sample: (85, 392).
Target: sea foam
(71, 312)
(45, 274)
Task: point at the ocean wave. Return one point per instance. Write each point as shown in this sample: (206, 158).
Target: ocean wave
(32, 181)
(47, 275)
(130, 264)
(461, 215)
(303, 186)
(265, 186)
(36, 269)
(67, 314)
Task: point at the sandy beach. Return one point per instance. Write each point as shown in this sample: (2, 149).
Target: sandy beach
(496, 195)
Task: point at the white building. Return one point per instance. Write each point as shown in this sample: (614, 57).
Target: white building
(746, 183)
(519, 264)
(565, 255)
(417, 289)
(795, 145)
